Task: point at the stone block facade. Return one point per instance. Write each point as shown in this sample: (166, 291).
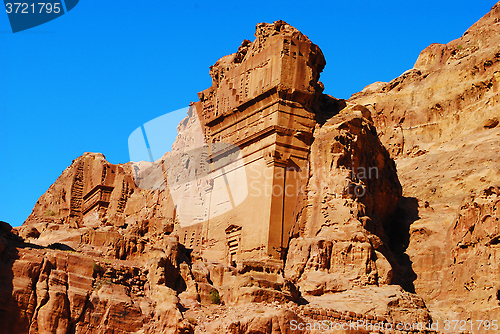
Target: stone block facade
(261, 101)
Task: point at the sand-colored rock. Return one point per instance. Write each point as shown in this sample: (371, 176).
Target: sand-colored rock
(352, 193)
(439, 120)
(362, 238)
(438, 98)
(54, 291)
(468, 279)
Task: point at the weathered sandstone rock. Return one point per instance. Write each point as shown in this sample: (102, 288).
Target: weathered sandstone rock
(352, 193)
(438, 98)
(105, 250)
(439, 120)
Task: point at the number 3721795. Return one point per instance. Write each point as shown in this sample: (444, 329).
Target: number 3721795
(33, 8)
(469, 324)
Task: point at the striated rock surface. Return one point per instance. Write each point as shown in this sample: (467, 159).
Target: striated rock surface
(107, 249)
(440, 96)
(439, 121)
(352, 193)
(393, 217)
(48, 290)
(469, 277)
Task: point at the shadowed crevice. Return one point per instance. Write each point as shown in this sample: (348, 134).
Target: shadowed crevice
(399, 239)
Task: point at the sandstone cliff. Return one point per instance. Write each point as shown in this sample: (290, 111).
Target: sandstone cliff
(439, 121)
(353, 191)
(393, 220)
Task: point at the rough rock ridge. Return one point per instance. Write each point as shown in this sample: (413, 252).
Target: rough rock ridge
(352, 192)
(439, 121)
(103, 249)
(391, 174)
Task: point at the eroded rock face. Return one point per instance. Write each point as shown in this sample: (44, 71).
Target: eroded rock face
(353, 191)
(440, 121)
(101, 248)
(470, 272)
(437, 99)
(54, 291)
(103, 252)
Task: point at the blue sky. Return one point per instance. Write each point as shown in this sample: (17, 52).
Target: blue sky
(85, 81)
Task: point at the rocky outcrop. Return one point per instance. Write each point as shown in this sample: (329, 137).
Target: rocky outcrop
(393, 220)
(352, 193)
(439, 121)
(48, 290)
(101, 248)
(438, 98)
(470, 271)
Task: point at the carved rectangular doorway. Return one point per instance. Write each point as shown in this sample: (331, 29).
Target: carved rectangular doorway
(233, 244)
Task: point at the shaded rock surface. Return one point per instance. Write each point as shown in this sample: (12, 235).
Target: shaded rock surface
(353, 191)
(439, 121)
